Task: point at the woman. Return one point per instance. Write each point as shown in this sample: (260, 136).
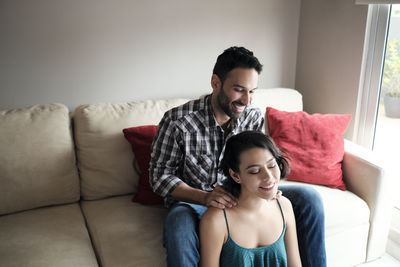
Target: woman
(260, 230)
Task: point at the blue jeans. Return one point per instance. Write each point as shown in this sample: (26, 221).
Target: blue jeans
(310, 223)
(181, 228)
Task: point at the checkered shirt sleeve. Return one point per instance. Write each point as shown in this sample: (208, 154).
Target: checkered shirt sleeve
(165, 158)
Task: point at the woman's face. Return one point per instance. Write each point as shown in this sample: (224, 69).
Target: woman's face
(259, 173)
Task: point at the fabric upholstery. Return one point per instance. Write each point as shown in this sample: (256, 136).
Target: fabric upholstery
(365, 175)
(346, 218)
(279, 98)
(37, 159)
(126, 233)
(347, 248)
(130, 234)
(104, 157)
(141, 138)
(54, 236)
(314, 143)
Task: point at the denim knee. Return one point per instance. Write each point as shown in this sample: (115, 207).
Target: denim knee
(180, 236)
(304, 199)
(181, 223)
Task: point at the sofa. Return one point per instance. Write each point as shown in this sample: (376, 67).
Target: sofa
(67, 179)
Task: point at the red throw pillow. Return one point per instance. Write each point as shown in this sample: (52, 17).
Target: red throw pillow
(141, 138)
(314, 143)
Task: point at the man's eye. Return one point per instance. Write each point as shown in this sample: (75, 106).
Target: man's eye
(254, 171)
(272, 166)
(238, 90)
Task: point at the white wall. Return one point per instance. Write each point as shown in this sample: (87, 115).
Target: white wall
(331, 39)
(87, 51)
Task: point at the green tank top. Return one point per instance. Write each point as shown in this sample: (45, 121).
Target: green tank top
(273, 255)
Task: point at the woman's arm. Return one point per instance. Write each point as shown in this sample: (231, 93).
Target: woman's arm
(292, 247)
(213, 233)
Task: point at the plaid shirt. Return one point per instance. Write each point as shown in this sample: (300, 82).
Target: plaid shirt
(189, 145)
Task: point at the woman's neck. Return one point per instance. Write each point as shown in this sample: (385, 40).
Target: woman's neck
(252, 203)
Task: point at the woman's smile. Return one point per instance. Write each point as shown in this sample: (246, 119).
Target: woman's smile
(268, 187)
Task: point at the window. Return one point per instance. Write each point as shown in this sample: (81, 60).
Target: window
(377, 121)
(386, 141)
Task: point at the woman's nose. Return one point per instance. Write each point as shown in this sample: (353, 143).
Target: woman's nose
(268, 174)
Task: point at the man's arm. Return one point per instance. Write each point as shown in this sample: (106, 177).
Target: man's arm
(165, 158)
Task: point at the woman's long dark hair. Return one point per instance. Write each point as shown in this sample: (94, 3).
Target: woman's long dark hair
(242, 142)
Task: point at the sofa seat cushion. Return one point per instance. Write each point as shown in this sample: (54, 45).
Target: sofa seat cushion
(104, 156)
(346, 224)
(343, 209)
(126, 233)
(53, 236)
(37, 159)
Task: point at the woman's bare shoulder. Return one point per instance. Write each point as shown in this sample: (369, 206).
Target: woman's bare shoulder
(287, 210)
(285, 203)
(213, 215)
(214, 220)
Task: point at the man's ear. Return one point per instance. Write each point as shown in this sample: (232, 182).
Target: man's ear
(215, 83)
(234, 176)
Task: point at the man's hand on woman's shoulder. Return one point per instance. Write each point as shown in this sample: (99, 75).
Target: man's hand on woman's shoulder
(220, 198)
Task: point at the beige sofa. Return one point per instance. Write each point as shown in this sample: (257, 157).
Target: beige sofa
(67, 179)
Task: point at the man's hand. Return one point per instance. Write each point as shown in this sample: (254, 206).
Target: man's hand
(219, 198)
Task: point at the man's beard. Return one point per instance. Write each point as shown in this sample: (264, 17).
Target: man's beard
(226, 105)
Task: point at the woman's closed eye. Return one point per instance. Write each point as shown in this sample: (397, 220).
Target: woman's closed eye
(271, 163)
(254, 171)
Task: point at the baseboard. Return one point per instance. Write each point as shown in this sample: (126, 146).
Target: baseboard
(393, 249)
(393, 244)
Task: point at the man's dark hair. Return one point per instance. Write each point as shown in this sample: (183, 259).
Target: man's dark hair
(242, 142)
(235, 57)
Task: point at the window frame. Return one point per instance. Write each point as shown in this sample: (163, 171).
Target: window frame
(376, 35)
(371, 74)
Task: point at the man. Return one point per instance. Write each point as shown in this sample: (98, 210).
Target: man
(188, 147)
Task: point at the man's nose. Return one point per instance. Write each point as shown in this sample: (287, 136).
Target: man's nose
(246, 99)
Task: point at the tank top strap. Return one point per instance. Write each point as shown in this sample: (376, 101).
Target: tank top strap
(227, 224)
(283, 215)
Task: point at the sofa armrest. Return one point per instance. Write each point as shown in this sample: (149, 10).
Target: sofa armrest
(365, 176)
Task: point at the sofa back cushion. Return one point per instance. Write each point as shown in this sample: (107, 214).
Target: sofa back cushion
(105, 157)
(279, 98)
(37, 159)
